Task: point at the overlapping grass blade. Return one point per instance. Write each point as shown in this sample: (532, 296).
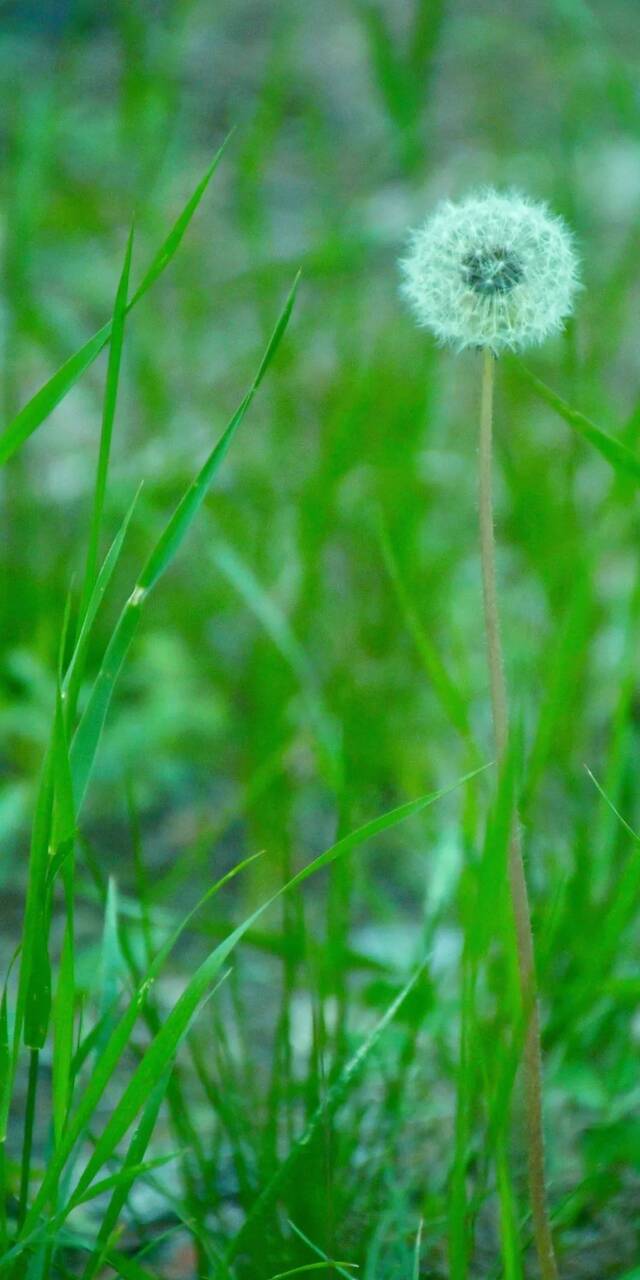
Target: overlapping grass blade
(157, 1058)
(337, 1266)
(127, 1267)
(335, 1096)
(509, 1240)
(125, 1177)
(111, 967)
(75, 670)
(161, 1051)
(133, 1158)
(108, 1060)
(87, 736)
(33, 414)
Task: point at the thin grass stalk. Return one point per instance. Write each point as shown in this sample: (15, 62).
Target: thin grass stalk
(106, 432)
(27, 1141)
(4, 1226)
(532, 1063)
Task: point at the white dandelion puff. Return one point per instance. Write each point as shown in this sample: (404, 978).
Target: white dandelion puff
(495, 271)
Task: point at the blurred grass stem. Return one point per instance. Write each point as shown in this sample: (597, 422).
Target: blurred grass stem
(532, 1065)
(27, 1142)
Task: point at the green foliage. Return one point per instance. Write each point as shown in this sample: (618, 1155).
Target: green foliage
(223, 1052)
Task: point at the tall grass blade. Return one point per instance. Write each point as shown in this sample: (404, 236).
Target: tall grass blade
(335, 1096)
(160, 1052)
(133, 1158)
(87, 736)
(33, 414)
(75, 670)
(108, 418)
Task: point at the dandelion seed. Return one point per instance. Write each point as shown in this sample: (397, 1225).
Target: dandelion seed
(495, 271)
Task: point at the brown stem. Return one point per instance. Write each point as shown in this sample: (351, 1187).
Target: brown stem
(532, 1065)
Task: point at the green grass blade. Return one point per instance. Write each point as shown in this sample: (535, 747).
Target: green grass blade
(376, 825)
(156, 1060)
(33, 414)
(51, 841)
(395, 85)
(123, 1179)
(34, 987)
(623, 461)
(5, 1064)
(75, 669)
(416, 1251)
(87, 736)
(333, 1098)
(340, 1267)
(162, 1048)
(510, 1244)
(102, 1073)
(63, 824)
(108, 1060)
(182, 518)
(49, 396)
(108, 418)
(127, 1267)
(111, 967)
(328, 1265)
(84, 743)
(63, 1036)
(458, 1207)
(134, 1156)
(170, 246)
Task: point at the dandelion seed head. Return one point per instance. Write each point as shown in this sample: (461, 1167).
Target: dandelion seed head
(497, 271)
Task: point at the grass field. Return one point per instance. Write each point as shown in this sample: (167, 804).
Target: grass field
(259, 1012)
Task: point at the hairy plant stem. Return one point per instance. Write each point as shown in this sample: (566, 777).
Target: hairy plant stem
(532, 1065)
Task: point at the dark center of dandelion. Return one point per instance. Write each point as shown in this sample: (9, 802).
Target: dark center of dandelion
(489, 271)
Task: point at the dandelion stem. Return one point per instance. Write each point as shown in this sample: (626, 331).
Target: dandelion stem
(532, 1065)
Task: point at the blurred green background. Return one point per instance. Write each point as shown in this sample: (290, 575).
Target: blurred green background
(315, 656)
(351, 120)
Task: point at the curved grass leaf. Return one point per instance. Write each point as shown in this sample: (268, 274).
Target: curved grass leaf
(131, 1164)
(306, 1267)
(614, 451)
(33, 414)
(334, 1098)
(337, 1266)
(161, 1051)
(87, 735)
(127, 1267)
(108, 1060)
